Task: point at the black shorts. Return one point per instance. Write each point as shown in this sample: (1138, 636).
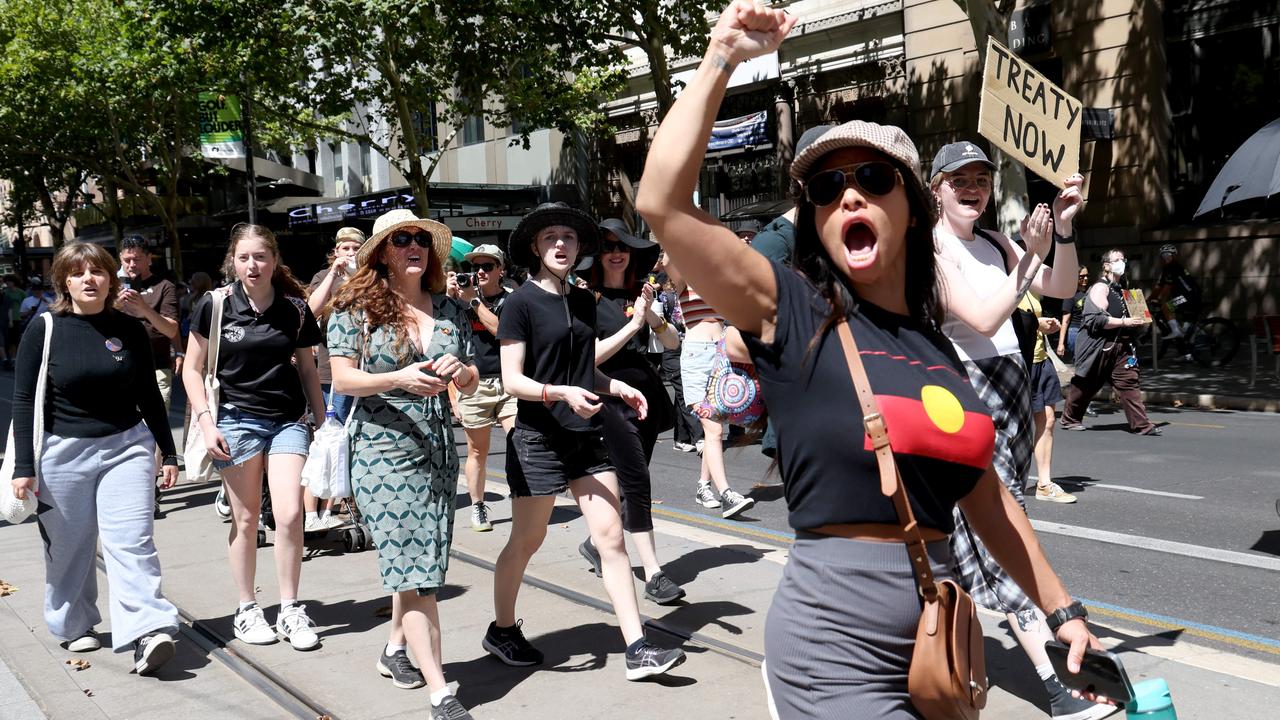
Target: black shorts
(1046, 389)
(540, 464)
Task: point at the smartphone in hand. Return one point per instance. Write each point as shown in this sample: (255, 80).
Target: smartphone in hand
(1101, 673)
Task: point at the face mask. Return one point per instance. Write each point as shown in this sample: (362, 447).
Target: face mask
(1117, 267)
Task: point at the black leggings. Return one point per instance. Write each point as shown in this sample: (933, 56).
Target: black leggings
(630, 443)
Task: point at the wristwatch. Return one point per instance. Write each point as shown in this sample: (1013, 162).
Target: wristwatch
(475, 303)
(1064, 614)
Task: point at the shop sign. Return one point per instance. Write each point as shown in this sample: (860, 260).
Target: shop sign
(221, 133)
(1031, 29)
(357, 206)
(1099, 124)
(739, 132)
(482, 223)
(1029, 118)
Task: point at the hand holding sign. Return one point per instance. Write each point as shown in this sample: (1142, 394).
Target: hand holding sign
(1028, 117)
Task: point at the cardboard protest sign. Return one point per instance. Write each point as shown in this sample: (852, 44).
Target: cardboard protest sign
(1135, 301)
(1028, 117)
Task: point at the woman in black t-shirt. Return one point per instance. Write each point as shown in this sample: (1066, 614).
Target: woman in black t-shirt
(625, 319)
(841, 629)
(268, 378)
(103, 418)
(548, 346)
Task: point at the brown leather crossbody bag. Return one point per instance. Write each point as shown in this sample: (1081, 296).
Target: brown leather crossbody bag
(948, 677)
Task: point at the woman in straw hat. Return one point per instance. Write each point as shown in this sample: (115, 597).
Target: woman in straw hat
(396, 342)
(841, 630)
(268, 378)
(548, 347)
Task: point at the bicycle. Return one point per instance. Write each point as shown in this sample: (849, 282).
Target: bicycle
(1210, 342)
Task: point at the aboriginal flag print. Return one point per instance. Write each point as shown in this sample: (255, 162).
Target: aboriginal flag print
(935, 425)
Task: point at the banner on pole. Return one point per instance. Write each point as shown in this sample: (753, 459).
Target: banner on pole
(740, 131)
(1029, 118)
(221, 134)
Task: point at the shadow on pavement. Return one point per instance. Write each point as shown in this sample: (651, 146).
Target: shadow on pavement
(687, 567)
(1011, 671)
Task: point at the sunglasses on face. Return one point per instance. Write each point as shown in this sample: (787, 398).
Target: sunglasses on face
(611, 247)
(402, 238)
(875, 178)
(966, 183)
(485, 266)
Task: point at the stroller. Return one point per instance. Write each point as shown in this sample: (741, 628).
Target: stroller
(355, 536)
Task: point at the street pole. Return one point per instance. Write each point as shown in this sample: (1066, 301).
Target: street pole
(251, 177)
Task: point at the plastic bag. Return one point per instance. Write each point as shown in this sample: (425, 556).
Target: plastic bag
(327, 472)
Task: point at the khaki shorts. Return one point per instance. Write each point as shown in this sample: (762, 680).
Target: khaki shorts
(488, 405)
(164, 380)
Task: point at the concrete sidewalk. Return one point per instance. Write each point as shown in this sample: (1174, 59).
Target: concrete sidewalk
(730, 582)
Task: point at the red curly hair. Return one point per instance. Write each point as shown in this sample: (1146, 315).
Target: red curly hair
(369, 292)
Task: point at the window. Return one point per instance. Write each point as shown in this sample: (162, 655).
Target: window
(336, 150)
(424, 126)
(366, 161)
(473, 129)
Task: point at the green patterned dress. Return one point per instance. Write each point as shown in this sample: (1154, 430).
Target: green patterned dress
(404, 464)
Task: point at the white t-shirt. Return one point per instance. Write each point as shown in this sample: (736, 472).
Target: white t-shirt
(983, 267)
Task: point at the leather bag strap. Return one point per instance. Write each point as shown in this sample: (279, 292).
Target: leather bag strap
(890, 479)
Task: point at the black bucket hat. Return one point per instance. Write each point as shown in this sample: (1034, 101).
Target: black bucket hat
(644, 253)
(519, 246)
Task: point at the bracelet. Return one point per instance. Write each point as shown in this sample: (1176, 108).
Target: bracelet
(1063, 615)
(204, 412)
(544, 393)
(662, 325)
(1063, 239)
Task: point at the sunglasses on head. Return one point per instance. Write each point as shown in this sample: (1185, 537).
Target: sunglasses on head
(875, 178)
(485, 266)
(608, 246)
(402, 238)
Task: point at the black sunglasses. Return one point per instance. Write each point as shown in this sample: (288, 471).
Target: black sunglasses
(402, 238)
(876, 178)
(485, 266)
(609, 246)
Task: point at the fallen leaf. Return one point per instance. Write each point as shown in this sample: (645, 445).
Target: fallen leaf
(79, 664)
(7, 589)
(384, 611)
(323, 717)
(88, 692)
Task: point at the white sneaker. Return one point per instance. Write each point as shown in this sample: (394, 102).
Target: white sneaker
(252, 627)
(706, 496)
(480, 518)
(88, 642)
(314, 524)
(294, 625)
(698, 446)
(333, 520)
(684, 447)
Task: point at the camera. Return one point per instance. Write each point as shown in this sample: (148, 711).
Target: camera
(466, 280)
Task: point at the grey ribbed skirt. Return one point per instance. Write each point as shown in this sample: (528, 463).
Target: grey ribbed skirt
(839, 635)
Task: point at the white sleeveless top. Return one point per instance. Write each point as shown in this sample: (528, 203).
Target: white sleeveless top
(983, 267)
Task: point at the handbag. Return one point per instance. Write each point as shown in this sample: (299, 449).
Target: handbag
(327, 471)
(12, 509)
(733, 391)
(199, 464)
(947, 679)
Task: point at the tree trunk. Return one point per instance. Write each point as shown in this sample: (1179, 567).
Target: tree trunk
(410, 144)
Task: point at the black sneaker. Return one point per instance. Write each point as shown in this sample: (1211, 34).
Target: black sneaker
(1064, 707)
(662, 589)
(401, 671)
(510, 646)
(151, 651)
(646, 660)
(588, 551)
(450, 709)
(156, 512)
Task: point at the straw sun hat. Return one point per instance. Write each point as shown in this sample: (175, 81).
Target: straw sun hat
(388, 223)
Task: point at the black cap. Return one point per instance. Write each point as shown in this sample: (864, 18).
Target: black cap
(958, 154)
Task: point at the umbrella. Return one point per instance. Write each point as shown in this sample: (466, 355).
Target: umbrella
(1252, 172)
(460, 248)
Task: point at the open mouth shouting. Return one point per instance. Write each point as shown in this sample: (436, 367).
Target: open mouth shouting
(859, 242)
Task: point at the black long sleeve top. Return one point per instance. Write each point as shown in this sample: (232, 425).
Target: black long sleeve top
(101, 381)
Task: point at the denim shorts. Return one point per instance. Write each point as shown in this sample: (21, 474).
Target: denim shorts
(539, 465)
(248, 435)
(696, 360)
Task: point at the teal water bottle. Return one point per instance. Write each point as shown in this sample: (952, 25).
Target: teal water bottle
(1152, 701)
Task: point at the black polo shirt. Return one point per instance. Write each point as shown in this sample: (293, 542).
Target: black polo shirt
(255, 361)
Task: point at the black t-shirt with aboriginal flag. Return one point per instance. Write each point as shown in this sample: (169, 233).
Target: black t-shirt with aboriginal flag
(941, 433)
(255, 357)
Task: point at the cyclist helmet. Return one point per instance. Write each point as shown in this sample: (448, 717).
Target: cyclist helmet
(1168, 249)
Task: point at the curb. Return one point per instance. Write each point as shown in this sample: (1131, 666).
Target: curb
(1212, 402)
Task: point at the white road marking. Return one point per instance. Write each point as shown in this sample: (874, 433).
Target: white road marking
(1232, 557)
(1126, 488)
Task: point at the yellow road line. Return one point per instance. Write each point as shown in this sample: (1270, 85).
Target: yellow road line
(1239, 642)
(717, 525)
(1199, 425)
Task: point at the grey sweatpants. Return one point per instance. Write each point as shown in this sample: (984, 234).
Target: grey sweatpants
(95, 489)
